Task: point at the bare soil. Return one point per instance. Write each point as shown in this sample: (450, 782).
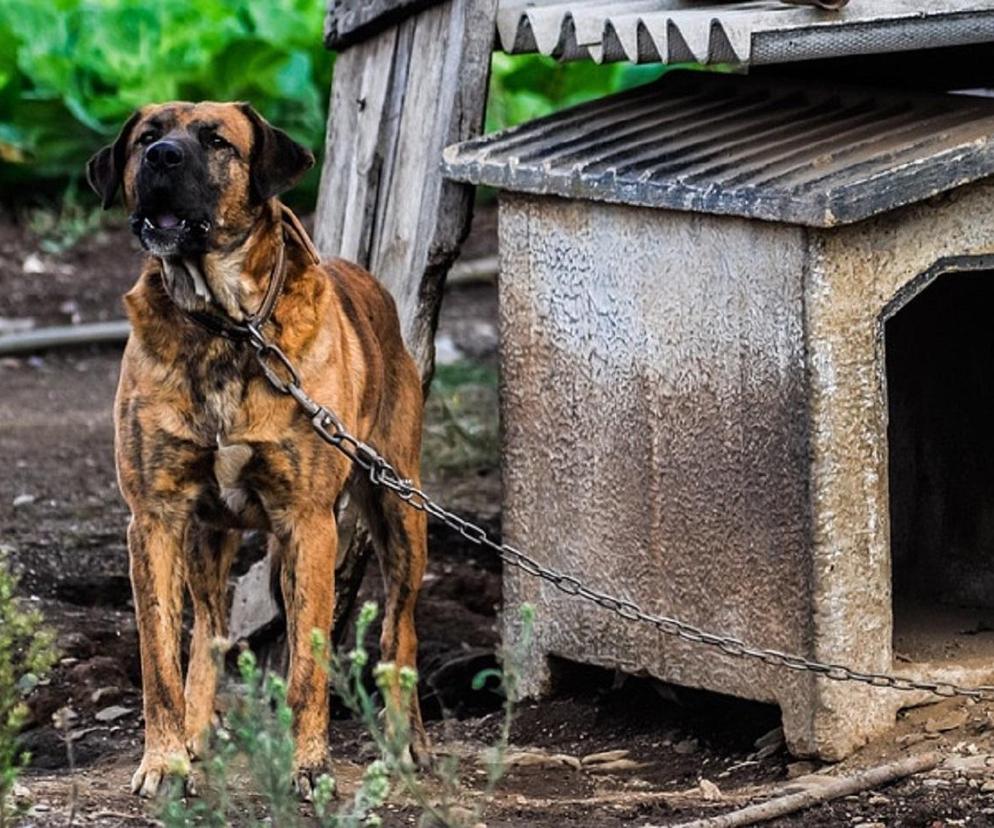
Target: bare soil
(63, 526)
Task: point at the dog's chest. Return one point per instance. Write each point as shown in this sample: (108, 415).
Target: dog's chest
(217, 389)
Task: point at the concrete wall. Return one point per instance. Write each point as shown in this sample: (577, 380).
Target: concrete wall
(655, 435)
(695, 418)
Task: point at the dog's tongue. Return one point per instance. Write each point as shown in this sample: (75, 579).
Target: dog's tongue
(167, 221)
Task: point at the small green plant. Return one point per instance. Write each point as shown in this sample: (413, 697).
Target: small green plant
(391, 731)
(462, 431)
(27, 652)
(59, 227)
(257, 737)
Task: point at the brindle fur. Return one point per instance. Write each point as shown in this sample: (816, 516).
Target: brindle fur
(206, 448)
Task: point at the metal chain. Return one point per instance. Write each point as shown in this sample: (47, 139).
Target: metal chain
(329, 428)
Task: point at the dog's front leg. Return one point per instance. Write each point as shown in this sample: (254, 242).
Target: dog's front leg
(309, 550)
(209, 555)
(155, 545)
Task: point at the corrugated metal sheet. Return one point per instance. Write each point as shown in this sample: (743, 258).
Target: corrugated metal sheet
(780, 151)
(736, 31)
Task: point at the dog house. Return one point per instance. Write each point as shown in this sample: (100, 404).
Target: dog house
(746, 382)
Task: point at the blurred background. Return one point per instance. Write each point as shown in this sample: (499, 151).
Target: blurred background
(71, 71)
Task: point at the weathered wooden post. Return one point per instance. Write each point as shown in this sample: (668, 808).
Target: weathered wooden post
(411, 78)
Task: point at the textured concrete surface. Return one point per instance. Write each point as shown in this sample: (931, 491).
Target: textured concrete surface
(695, 418)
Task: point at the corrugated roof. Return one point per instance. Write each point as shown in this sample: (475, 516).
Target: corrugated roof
(736, 31)
(774, 150)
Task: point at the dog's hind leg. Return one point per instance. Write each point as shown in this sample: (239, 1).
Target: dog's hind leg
(209, 554)
(400, 536)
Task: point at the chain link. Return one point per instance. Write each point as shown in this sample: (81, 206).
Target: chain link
(282, 375)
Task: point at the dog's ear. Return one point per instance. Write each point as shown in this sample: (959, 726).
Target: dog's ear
(104, 170)
(277, 160)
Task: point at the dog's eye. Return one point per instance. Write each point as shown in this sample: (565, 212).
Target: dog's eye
(217, 142)
(147, 137)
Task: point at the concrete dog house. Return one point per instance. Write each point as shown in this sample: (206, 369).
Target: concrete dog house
(747, 382)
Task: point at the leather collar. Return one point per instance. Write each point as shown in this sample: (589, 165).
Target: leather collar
(220, 325)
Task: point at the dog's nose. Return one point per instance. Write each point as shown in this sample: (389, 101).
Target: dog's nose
(164, 154)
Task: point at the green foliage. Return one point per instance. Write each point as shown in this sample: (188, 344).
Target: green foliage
(392, 735)
(27, 652)
(524, 87)
(71, 71)
(462, 430)
(60, 226)
(257, 736)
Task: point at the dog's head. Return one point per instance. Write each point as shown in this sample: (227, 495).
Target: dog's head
(195, 176)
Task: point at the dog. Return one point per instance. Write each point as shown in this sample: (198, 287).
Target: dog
(206, 448)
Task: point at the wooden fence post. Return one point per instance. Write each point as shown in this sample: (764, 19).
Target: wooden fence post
(411, 78)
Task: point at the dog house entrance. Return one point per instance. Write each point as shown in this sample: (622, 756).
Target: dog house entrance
(940, 388)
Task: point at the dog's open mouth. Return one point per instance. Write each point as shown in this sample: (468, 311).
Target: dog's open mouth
(165, 233)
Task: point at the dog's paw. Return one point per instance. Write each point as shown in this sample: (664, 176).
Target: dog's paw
(305, 781)
(420, 751)
(156, 768)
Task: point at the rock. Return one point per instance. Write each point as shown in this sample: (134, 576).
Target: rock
(616, 765)
(878, 799)
(105, 694)
(253, 607)
(603, 756)
(947, 720)
(979, 765)
(774, 738)
(21, 793)
(910, 739)
(112, 713)
(570, 761)
(803, 768)
(767, 751)
(709, 791)
(987, 787)
(446, 350)
(23, 500)
(686, 747)
(535, 759)
(33, 264)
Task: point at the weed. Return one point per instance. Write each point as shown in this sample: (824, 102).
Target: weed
(257, 736)
(27, 652)
(463, 430)
(61, 227)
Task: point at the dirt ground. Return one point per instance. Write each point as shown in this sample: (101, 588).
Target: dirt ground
(685, 754)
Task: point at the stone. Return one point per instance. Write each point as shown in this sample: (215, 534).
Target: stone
(803, 768)
(109, 693)
(709, 791)
(686, 747)
(947, 720)
(603, 756)
(23, 500)
(773, 738)
(616, 765)
(534, 759)
(112, 713)
(253, 607)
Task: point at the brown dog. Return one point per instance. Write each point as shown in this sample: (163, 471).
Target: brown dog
(206, 448)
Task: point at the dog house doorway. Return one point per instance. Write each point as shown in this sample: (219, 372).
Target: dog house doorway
(939, 345)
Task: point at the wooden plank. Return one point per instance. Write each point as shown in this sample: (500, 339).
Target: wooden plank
(351, 21)
(397, 100)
